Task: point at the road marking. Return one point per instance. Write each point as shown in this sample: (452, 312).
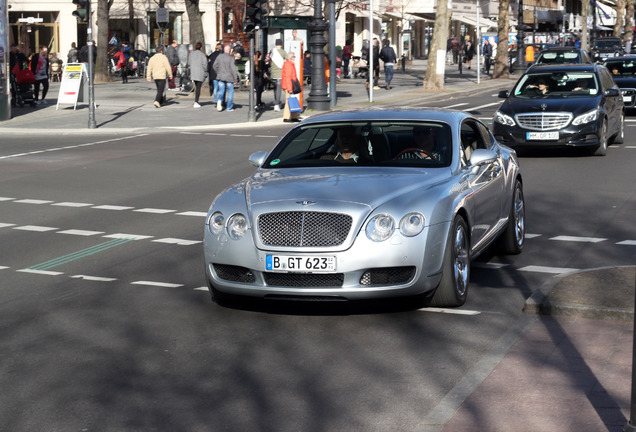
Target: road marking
(35, 228)
(193, 213)
(457, 105)
(487, 265)
(215, 134)
(42, 272)
(579, 239)
(154, 210)
(79, 254)
(239, 135)
(112, 207)
(128, 236)
(6, 199)
(4, 225)
(627, 243)
(80, 232)
(93, 278)
(482, 106)
(191, 133)
(177, 241)
(529, 236)
(71, 204)
(450, 311)
(4, 267)
(265, 136)
(542, 269)
(203, 288)
(157, 284)
(33, 201)
(71, 147)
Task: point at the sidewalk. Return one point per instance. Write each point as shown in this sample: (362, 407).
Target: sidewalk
(129, 107)
(565, 366)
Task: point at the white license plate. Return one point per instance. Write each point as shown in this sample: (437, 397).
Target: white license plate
(542, 135)
(627, 98)
(302, 264)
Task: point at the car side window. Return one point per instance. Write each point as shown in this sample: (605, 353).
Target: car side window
(472, 139)
(606, 79)
(485, 135)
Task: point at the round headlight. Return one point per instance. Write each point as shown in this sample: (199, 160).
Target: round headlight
(236, 226)
(412, 224)
(380, 227)
(215, 222)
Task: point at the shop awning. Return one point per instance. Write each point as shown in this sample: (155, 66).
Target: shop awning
(405, 16)
(472, 21)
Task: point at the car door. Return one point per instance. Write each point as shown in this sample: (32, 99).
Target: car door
(487, 182)
(613, 105)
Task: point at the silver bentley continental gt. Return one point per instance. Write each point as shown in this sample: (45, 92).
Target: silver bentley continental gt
(367, 204)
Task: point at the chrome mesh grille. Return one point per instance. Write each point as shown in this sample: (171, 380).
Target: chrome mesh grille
(303, 280)
(543, 121)
(298, 229)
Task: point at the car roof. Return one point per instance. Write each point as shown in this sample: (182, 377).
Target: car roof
(620, 58)
(578, 67)
(560, 48)
(388, 114)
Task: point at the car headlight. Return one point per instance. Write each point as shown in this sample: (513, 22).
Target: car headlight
(589, 116)
(380, 227)
(504, 119)
(215, 222)
(236, 226)
(412, 224)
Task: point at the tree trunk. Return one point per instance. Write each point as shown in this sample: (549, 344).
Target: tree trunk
(434, 80)
(101, 64)
(502, 67)
(585, 6)
(629, 23)
(620, 13)
(196, 24)
(131, 25)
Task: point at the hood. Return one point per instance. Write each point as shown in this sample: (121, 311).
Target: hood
(332, 187)
(574, 104)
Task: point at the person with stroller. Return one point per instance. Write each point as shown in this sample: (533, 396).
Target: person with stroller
(40, 69)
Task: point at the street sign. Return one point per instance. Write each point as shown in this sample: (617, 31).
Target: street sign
(163, 16)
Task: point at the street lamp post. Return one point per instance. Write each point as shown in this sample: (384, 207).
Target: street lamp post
(318, 99)
(92, 124)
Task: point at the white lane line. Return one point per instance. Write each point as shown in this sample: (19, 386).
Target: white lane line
(177, 241)
(552, 270)
(457, 105)
(191, 133)
(193, 213)
(579, 239)
(240, 135)
(215, 134)
(265, 136)
(6, 199)
(203, 288)
(529, 236)
(627, 243)
(80, 232)
(489, 265)
(154, 210)
(4, 267)
(71, 147)
(35, 228)
(157, 284)
(4, 225)
(482, 106)
(450, 311)
(112, 207)
(71, 204)
(41, 272)
(128, 236)
(33, 201)
(93, 278)
(630, 147)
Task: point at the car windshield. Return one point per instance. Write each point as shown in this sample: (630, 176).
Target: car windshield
(558, 57)
(622, 68)
(562, 84)
(365, 143)
(608, 44)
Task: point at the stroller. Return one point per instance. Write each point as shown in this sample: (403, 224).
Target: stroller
(22, 80)
(360, 67)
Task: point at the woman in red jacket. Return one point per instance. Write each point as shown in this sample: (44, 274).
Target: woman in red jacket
(289, 74)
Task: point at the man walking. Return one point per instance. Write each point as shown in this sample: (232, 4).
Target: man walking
(214, 82)
(487, 56)
(227, 75)
(158, 69)
(387, 55)
(277, 57)
(173, 58)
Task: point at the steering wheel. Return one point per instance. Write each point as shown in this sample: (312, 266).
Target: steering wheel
(417, 151)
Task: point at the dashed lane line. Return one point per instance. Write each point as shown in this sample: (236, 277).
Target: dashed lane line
(551, 270)
(70, 147)
(157, 284)
(579, 239)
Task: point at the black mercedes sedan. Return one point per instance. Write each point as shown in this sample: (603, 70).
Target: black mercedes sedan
(623, 71)
(562, 106)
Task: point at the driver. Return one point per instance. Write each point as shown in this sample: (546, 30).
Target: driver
(424, 145)
(347, 145)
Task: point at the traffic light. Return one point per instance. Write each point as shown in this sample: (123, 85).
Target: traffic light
(253, 17)
(80, 13)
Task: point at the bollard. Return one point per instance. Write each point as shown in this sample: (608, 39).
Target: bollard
(403, 63)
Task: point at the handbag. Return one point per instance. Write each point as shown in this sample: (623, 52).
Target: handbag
(296, 88)
(294, 104)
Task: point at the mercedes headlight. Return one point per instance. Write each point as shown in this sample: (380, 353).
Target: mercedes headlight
(504, 119)
(215, 222)
(380, 227)
(412, 224)
(588, 117)
(236, 226)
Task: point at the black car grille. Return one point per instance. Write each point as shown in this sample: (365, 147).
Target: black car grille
(300, 280)
(387, 276)
(234, 273)
(543, 120)
(298, 229)
(629, 97)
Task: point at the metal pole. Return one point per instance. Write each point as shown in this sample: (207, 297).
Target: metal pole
(631, 424)
(521, 55)
(91, 68)
(371, 68)
(478, 44)
(332, 53)
(251, 114)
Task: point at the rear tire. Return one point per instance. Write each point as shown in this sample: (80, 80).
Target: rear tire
(453, 288)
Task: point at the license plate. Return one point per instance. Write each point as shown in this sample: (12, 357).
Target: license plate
(302, 264)
(542, 135)
(627, 98)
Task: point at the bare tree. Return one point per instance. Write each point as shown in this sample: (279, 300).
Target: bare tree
(620, 12)
(629, 22)
(434, 80)
(585, 6)
(101, 63)
(502, 68)
(196, 23)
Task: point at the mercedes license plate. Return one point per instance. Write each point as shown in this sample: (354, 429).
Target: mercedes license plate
(303, 264)
(542, 135)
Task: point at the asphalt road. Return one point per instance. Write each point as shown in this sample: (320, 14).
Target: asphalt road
(103, 333)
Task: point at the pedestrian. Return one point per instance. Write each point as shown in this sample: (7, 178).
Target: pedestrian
(469, 52)
(71, 57)
(83, 53)
(455, 49)
(40, 69)
(487, 56)
(183, 53)
(198, 63)
(346, 58)
(159, 69)
(173, 58)
(228, 76)
(123, 56)
(259, 78)
(376, 63)
(16, 59)
(277, 56)
(289, 74)
(387, 55)
(214, 83)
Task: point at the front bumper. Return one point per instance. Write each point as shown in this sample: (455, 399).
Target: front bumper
(571, 136)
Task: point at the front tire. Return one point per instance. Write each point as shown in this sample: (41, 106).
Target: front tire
(601, 150)
(512, 239)
(453, 288)
(619, 138)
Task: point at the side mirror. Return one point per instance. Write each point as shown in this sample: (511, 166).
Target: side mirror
(612, 92)
(482, 157)
(257, 159)
(503, 94)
